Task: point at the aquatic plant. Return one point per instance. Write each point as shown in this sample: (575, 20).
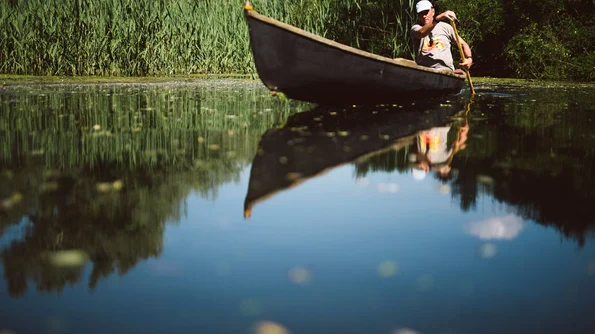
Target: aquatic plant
(145, 37)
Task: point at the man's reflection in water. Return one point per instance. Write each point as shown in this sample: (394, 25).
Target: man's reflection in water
(432, 152)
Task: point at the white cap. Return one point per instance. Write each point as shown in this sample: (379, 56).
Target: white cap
(423, 5)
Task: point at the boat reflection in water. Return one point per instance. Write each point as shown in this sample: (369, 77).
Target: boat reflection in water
(313, 142)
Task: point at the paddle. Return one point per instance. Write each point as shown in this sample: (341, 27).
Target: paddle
(454, 26)
(460, 129)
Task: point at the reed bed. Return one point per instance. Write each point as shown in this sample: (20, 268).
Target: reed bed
(169, 37)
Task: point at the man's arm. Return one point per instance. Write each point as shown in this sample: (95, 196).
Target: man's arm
(430, 23)
(424, 30)
(468, 55)
(466, 48)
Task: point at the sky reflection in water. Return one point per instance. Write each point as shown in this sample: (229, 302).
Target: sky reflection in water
(363, 247)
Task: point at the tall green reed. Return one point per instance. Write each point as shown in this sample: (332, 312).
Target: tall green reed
(168, 37)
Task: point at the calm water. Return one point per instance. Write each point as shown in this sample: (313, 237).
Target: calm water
(211, 207)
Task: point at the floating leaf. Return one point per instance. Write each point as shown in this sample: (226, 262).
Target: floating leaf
(104, 187)
(299, 275)
(10, 202)
(16, 197)
(404, 331)
(387, 269)
(48, 186)
(67, 258)
(117, 185)
(269, 327)
(444, 189)
(484, 179)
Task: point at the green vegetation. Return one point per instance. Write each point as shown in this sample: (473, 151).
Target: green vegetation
(527, 39)
(113, 37)
(549, 39)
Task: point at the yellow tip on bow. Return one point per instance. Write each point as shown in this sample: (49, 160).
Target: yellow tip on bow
(248, 6)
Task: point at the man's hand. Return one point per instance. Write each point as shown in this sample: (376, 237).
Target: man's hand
(449, 14)
(462, 138)
(466, 64)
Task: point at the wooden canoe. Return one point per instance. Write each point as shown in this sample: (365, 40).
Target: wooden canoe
(316, 141)
(311, 68)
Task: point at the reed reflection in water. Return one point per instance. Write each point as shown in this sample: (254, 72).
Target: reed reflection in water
(95, 172)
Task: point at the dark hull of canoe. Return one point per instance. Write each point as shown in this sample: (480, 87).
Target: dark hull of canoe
(310, 68)
(316, 141)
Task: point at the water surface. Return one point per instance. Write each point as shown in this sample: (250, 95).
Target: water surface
(211, 207)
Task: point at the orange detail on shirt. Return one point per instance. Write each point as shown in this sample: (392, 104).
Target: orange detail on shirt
(436, 45)
(431, 139)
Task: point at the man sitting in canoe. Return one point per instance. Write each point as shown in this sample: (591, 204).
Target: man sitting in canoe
(433, 39)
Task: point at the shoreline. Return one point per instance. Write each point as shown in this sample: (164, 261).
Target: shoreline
(11, 80)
